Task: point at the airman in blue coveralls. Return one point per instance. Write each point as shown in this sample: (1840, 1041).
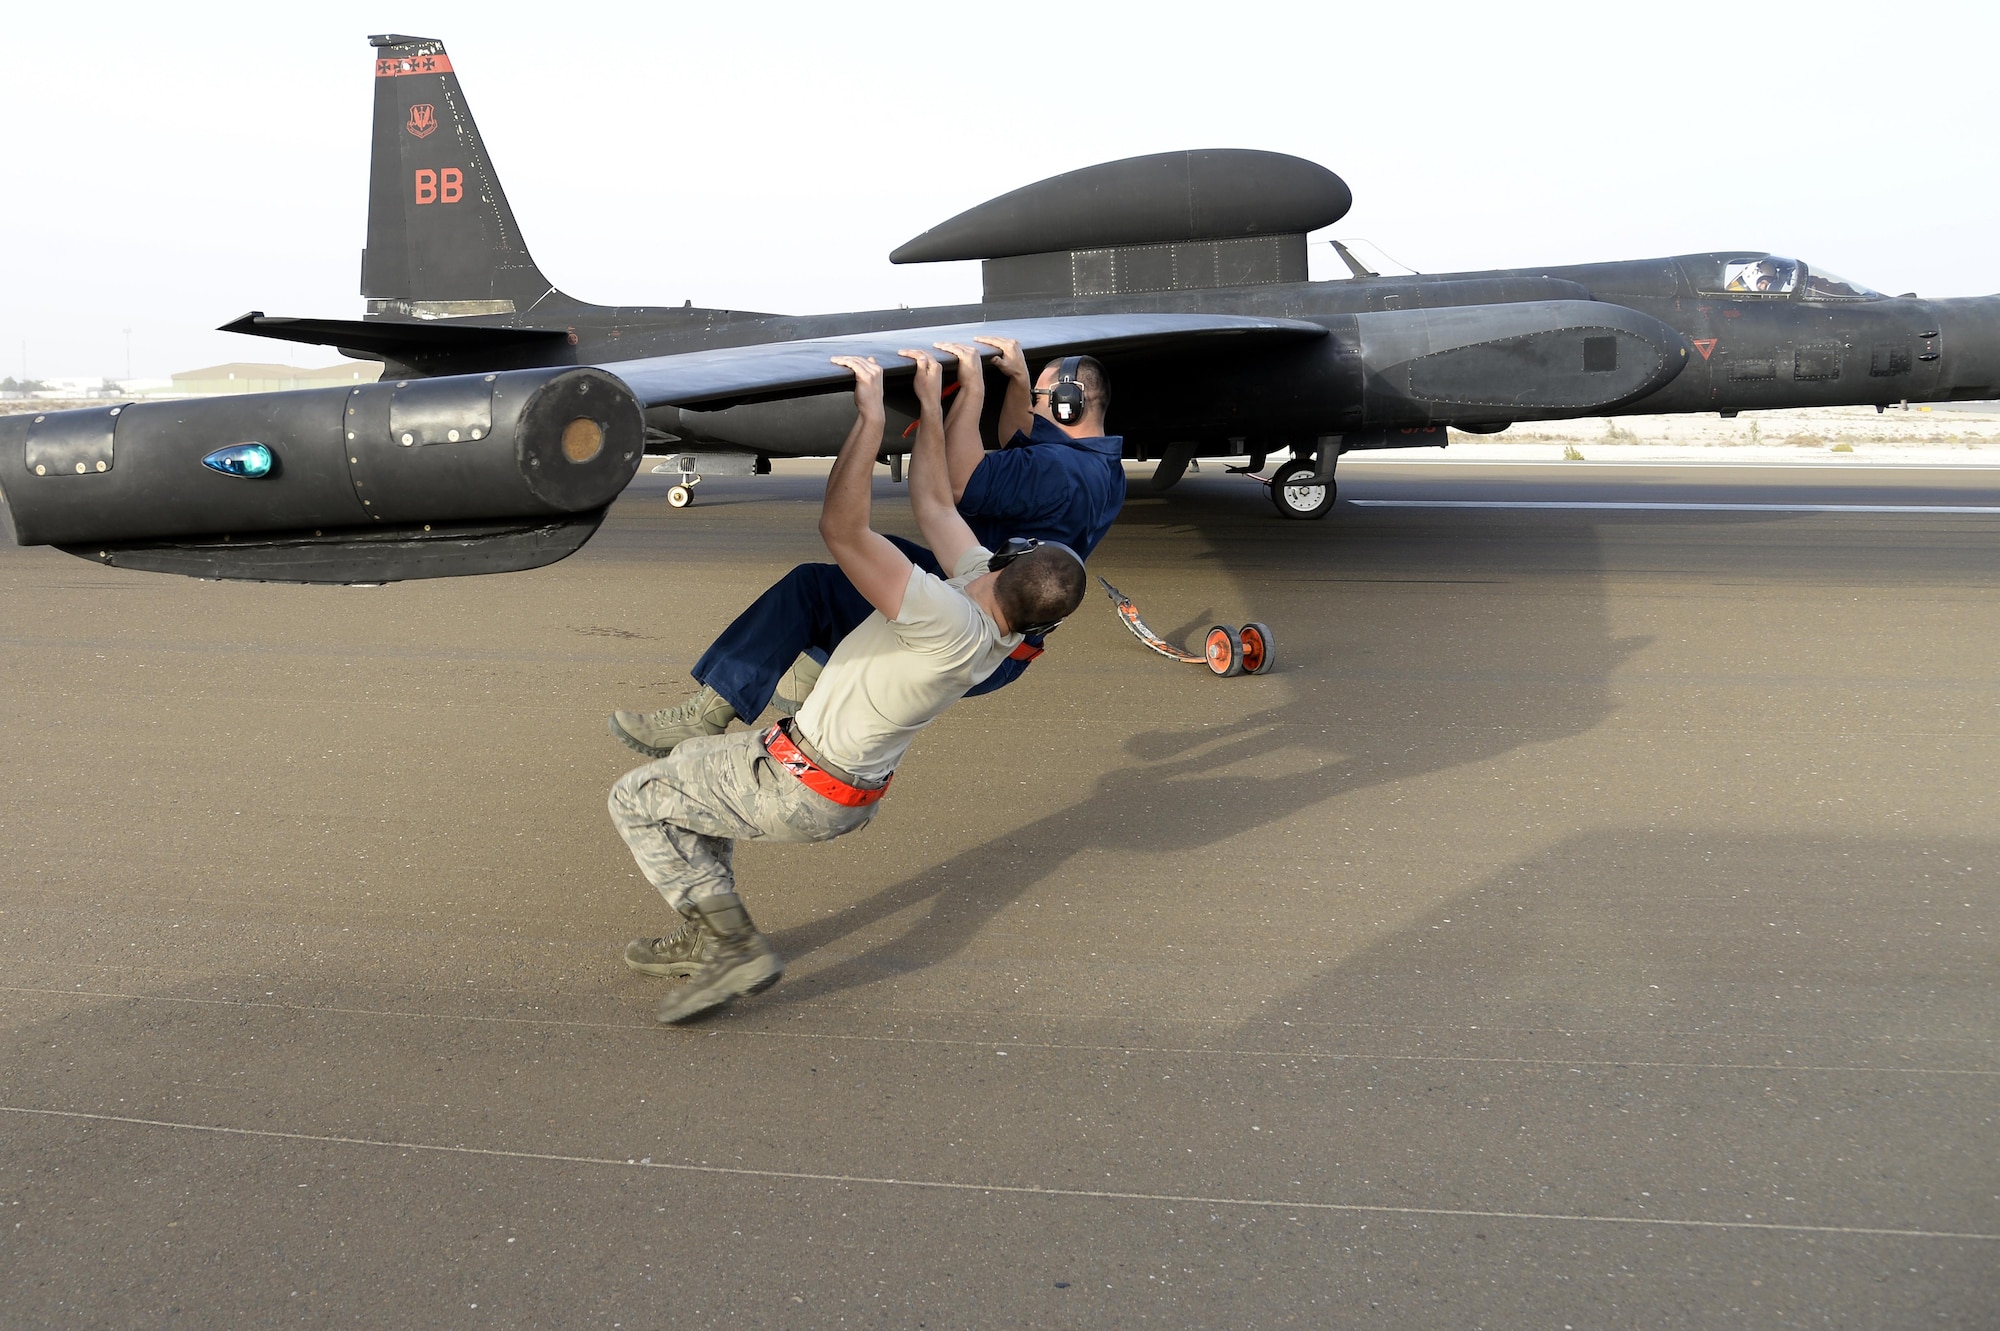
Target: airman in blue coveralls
(1051, 482)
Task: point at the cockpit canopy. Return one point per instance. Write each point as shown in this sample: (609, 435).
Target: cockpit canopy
(1770, 275)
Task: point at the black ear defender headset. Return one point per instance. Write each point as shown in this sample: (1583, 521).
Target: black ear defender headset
(1066, 398)
(1016, 547)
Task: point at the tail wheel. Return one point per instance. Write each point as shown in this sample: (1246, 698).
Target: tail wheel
(1296, 495)
(1224, 651)
(1258, 646)
(680, 496)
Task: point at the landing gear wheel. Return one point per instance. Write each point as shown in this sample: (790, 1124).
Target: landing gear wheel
(1224, 651)
(1258, 647)
(680, 496)
(1301, 499)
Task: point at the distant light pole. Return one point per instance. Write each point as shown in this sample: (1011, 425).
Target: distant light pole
(128, 353)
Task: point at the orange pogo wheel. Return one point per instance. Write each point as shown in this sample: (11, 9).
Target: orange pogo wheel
(1258, 647)
(1224, 651)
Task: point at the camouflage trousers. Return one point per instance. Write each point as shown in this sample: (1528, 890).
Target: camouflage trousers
(683, 815)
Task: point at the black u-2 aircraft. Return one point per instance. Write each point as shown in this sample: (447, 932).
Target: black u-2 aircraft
(510, 415)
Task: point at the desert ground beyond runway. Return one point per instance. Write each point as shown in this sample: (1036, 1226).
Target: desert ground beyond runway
(1593, 920)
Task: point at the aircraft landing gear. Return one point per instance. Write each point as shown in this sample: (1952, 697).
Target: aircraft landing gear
(680, 496)
(1176, 462)
(1296, 494)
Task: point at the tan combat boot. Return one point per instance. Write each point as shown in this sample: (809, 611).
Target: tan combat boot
(656, 733)
(739, 961)
(796, 685)
(678, 955)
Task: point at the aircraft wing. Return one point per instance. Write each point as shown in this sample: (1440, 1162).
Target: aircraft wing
(725, 376)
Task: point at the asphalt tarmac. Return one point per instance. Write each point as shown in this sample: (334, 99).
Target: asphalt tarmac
(1593, 920)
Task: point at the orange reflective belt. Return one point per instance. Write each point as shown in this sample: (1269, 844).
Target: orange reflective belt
(816, 778)
(1024, 652)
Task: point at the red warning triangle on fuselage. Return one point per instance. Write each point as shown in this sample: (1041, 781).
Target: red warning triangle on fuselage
(1704, 345)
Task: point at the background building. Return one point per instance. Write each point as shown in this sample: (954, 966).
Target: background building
(252, 377)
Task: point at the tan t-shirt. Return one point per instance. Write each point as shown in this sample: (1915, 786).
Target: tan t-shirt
(890, 678)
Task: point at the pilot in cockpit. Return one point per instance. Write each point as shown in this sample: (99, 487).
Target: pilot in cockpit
(1770, 275)
(1758, 276)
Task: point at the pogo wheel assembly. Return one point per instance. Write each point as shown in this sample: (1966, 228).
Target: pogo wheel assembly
(1225, 651)
(1258, 647)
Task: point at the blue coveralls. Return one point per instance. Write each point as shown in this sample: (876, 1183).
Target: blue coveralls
(1043, 485)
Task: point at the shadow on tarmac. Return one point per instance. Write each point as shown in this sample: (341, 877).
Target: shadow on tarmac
(1702, 1024)
(1691, 932)
(1393, 666)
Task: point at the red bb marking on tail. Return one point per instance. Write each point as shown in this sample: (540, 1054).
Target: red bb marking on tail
(443, 185)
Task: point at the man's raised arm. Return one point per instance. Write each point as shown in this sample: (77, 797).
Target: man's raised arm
(963, 448)
(1017, 409)
(930, 478)
(878, 570)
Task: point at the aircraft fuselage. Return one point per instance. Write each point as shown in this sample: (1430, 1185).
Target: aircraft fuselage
(1744, 351)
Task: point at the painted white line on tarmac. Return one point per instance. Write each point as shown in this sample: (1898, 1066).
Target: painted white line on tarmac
(1015, 1189)
(1066, 1047)
(1670, 506)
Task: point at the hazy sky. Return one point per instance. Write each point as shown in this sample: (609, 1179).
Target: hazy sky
(171, 166)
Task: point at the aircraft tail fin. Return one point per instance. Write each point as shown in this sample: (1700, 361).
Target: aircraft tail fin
(442, 242)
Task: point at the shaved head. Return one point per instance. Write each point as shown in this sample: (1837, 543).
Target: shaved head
(1040, 587)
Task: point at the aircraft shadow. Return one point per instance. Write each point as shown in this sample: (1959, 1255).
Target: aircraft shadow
(1498, 686)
